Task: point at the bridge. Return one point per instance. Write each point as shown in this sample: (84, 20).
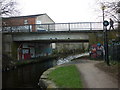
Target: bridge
(55, 32)
(26, 37)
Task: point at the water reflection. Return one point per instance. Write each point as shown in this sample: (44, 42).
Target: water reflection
(27, 76)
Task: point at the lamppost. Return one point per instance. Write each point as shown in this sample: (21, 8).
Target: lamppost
(105, 24)
(103, 9)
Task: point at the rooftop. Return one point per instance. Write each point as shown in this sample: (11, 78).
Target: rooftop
(25, 16)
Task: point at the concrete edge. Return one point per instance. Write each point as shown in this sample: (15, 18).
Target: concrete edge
(44, 82)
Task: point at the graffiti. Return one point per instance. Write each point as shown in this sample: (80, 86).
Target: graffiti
(96, 51)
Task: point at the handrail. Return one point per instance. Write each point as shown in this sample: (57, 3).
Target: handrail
(72, 26)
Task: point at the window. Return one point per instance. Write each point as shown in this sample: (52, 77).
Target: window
(25, 21)
(38, 22)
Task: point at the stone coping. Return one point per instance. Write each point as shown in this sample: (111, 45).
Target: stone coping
(44, 82)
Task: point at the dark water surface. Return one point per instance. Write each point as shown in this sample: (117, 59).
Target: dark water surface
(25, 76)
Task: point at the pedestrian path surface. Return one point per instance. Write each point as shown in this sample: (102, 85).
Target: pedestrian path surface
(93, 77)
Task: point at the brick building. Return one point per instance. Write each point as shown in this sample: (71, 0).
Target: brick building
(31, 22)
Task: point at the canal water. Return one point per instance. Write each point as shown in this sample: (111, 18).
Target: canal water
(28, 76)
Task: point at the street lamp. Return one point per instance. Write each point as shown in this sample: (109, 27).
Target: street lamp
(105, 24)
(103, 9)
(103, 12)
(104, 29)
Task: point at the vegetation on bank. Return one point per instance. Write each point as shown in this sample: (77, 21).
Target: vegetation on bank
(66, 77)
(9, 63)
(35, 60)
(67, 53)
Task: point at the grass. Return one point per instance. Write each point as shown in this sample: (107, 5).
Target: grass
(66, 77)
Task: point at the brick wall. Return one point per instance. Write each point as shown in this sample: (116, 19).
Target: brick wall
(19, 21)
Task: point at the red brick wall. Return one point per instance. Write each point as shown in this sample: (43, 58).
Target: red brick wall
(19, 21)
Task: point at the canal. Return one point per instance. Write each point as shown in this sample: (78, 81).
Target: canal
(28, 76)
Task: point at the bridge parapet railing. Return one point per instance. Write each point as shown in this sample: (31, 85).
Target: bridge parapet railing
(56, 27)
(23, 28)
(44, 27)
(78, 26)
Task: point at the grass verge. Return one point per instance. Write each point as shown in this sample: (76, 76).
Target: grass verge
(66, 77)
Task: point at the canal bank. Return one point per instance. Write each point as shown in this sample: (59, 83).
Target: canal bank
(46, 82)
(62, 76)
(92, 76)
(28, 75)
(25, 73)
(10, 64)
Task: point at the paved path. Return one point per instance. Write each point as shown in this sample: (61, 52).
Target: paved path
(94, 77)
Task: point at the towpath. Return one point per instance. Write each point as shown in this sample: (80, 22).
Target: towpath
(93, 77)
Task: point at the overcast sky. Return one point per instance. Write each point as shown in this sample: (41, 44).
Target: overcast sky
(63, 10)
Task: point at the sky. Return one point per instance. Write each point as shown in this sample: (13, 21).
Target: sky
(62, 11)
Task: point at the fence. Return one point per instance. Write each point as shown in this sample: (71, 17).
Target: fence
(114, 51)
(77, 26)
(54, 27)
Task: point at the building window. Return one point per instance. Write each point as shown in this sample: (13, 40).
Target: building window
(25, 21)
(4, 23)
(38, 22)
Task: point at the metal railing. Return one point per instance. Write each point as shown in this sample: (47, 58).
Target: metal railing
(56, 27)
(78, 26)
(114, 51)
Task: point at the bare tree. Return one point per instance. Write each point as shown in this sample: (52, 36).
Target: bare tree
(112, 8)
(8, 8)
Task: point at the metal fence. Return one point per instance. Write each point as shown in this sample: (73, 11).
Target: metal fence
(114, 51)
(78, 26)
